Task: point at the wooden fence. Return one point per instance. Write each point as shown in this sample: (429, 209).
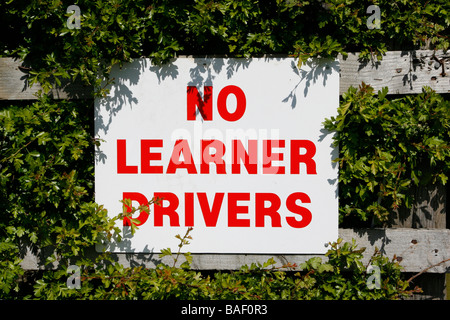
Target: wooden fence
(420, 238)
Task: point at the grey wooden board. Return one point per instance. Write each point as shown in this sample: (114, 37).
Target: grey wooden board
(404, 72)
(418, 249)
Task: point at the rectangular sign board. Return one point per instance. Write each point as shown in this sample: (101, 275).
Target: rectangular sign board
(235, 148)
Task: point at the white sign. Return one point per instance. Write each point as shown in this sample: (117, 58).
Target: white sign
(235, 147)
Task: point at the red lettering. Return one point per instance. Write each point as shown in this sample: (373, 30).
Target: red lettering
(139, 197)
(269, 156)
(306, 158)
(272, 211)
(181, 146)
(195, 100)
(250, 159)
(189, 209)
(217, 157)
(146, 156)
(122, 166)
(234, 209)
(303, 212)
(222, 103)
(169, 210)
(210, 215)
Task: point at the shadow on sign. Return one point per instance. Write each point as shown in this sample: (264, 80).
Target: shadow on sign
(120, 95)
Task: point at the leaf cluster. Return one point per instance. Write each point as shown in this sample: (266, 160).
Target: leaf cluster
(387, 147)
(47, 147)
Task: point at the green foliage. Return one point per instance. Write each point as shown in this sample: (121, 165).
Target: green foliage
(115, 31)
(10, 269)
(388, 146)
(47, 175)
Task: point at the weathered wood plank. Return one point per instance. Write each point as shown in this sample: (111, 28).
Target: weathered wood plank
(404, 72)
(416, 249)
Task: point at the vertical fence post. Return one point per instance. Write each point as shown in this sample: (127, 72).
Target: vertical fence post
(429, 211)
